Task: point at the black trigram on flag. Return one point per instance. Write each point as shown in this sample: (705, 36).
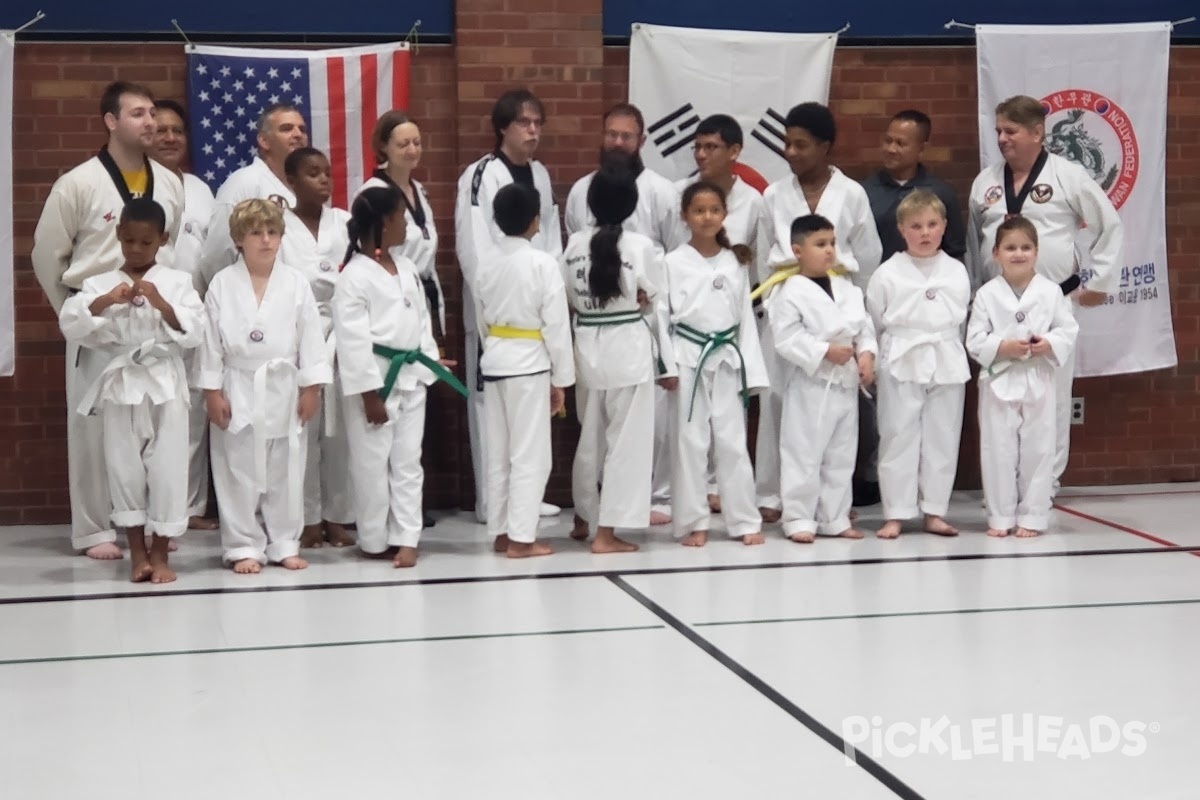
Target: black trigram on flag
(676, 130)
(769, 131)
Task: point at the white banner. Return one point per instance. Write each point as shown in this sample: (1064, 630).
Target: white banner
(8, 321)
(1104, 88)
(679, 76)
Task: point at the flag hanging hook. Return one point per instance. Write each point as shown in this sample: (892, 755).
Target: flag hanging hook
(842, 29)
(956, 24)
(1174, 24)
(40, 15)
(190, 46)
(412, 36)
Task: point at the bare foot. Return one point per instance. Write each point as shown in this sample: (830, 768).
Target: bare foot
(405, 557)
(935, 524)
(754, 538)
(337, 535)
(997, 532)
(106, 551)
(293, 562)
(804, 537)
(695, 539)
(162, 572)
(851, 533)
(528, 550)
(172, 544)
(890, 529)
(714, 503)
(1027, 533)
(500, 543)
(770, 515)
(202, 524)
(580, 532)
(247, 566)
(142, 571)
(607, 542)
(659, 518)
(312, 536)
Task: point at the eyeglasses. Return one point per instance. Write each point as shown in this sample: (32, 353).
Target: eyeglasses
(529, 122)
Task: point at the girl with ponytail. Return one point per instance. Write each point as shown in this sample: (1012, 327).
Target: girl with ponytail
(609, 286)
(387, 356)
(714, 361)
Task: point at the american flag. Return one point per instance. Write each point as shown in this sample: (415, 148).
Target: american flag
(340, 92)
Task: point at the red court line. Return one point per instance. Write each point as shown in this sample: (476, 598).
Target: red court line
(1147, 536)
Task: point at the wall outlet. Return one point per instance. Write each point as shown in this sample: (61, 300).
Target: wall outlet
(1076, 410)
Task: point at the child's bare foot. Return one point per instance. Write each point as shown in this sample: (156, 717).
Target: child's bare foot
(161, 571)
(607, 542)
(105, 551)
(500, 543)
(202, 524)
(527, 549)
(141, 571)
(312, 536)
(247, 566)
(293, 562)
(580, 532)
(714, 503)
(997, 532)
(935, 524)
(405, 557)
(754, 538)
(172, 544)
(337, 535)
(659, 518)
(695, 539)
(1026, 533)
(851, 533)
(804, 537)
(890, 529)
(770, 515)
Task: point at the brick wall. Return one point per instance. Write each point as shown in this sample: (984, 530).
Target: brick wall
(1139, 428)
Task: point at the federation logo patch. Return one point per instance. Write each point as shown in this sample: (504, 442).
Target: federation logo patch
(718, 282)
(930, 294)
(993, 195)
(138, 301)
(1041, 193)
(256, 335)
(1109, 152)
(1020, 316)
(187, 227)
(326, 266)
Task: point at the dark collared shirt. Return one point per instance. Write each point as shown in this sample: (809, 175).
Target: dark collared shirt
(885, 195)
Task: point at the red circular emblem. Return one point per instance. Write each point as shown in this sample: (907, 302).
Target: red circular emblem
(1110, 155)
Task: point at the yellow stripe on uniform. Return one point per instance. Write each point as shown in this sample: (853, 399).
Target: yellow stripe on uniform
(509, 332)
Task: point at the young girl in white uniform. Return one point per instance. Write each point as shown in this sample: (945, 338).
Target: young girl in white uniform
(262, 366)
(606, 271)
(387, 358)
(1022, 331)
(314, 243)
(713, 362)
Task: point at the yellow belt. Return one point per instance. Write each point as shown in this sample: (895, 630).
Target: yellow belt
(783, 272)
(509, 332)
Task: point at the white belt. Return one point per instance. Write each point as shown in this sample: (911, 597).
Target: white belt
(904, 340)
(147, 353)
(262, 368)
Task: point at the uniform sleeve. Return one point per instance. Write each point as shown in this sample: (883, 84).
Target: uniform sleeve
(982, 341)
(314, 363)
(189, 310)
(865, 341)
(218, 250)
(977, 269)
(54, 241)
(210, 361)
(777, 251)
(760, 243)
(877, 298)
(476, 232)
(650, 264)
(1064, 330)
(77, 323)
(177, 221)
(1100, 216)
(660, 328)
(352, 325)
(864, 241)
(556, 327)
(672, 230)
(551, 226)
(751, 347)
(576, 214)
(792, 340)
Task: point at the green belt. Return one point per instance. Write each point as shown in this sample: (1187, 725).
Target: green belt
(709, 344)
(598, 319)
(399, 358)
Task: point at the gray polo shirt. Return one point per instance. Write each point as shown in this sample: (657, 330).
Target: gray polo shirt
(885, 195)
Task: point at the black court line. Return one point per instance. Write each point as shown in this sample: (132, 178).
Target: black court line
(899, 787)
(945, 612)
(322, 645)
(841, 562)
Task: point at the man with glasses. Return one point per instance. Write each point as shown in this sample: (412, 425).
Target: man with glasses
(517, 120)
